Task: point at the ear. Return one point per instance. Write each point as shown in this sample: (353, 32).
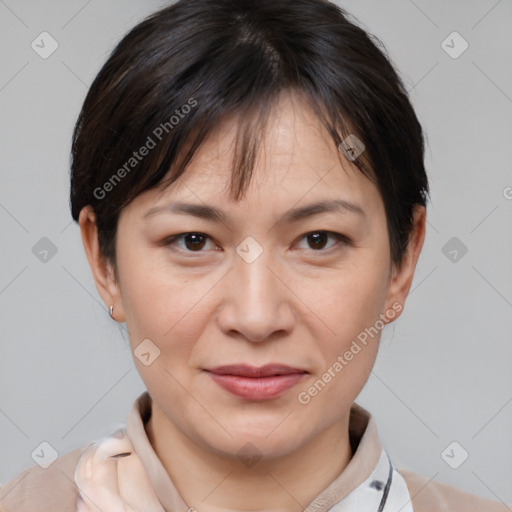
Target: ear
(402, 276)
(102, 270)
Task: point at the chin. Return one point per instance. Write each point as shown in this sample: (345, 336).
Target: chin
(267, 436)
(253, 448)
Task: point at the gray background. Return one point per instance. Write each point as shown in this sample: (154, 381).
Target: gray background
(444, 369)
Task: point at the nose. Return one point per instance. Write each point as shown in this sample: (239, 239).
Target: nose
(257, 304)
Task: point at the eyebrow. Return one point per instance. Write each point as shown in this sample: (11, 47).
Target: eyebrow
(212, 213)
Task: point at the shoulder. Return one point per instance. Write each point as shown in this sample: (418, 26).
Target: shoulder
(37, 489)
(430, 496)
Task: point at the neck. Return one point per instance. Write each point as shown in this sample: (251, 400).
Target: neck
(212, 482)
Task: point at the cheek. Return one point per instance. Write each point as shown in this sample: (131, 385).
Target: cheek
(347, 301)
(350, 306)
(162, 302)
(351, 309)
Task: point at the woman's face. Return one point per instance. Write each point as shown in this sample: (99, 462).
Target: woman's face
(266, 285)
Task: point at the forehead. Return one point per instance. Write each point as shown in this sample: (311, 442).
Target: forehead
(297, 161)
(295, 147)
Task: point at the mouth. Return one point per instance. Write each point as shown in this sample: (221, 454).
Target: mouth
(256, 383)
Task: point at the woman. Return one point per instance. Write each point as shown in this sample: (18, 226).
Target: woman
(249, 183)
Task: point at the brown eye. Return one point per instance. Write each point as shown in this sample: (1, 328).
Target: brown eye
(317, 240)
(194, 241)
(188, 242)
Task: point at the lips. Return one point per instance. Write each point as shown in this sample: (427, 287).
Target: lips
(256, 383)
(243, 370)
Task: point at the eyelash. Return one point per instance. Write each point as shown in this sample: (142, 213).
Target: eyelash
(343, 240)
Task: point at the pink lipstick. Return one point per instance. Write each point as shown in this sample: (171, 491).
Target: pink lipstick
(256, 383)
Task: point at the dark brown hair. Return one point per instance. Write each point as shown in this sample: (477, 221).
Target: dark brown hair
(176, 75)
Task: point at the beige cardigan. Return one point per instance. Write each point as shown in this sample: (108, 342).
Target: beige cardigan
(54, 490)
